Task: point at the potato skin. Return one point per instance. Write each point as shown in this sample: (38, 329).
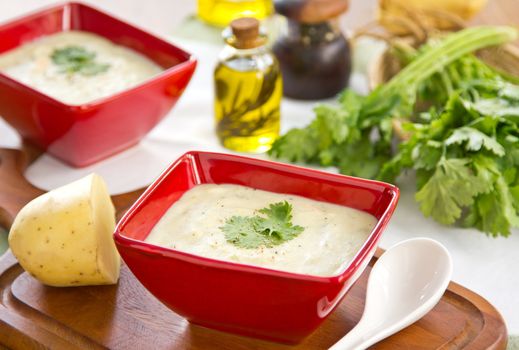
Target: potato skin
(56, 237)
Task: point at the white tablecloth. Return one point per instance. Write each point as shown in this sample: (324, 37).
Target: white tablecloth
(489, 266)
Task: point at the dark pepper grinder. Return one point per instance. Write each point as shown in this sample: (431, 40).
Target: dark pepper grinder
(314, 55)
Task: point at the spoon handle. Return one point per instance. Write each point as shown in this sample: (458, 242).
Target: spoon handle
(359, 338)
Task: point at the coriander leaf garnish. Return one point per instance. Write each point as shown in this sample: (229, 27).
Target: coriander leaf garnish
(256, 231)
(278, 222)
(241, 231)
(76, 59)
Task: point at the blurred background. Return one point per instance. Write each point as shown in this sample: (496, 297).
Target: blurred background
(164, 16)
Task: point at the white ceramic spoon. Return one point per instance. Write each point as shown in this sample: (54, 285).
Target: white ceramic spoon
(406, 282)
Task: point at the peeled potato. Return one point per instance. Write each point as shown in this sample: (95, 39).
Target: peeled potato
(64, 237)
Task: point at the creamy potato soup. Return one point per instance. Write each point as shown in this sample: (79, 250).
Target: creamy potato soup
(77, 67)
(327, 236)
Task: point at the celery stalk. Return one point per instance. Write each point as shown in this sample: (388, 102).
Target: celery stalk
(450, 49)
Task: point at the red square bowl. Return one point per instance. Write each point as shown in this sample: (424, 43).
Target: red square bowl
(239, 298)
(83, 134)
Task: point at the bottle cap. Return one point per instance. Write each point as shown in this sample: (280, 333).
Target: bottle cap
(311, 11)
(246, 33)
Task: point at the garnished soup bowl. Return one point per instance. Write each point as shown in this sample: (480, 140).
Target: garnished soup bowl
(86, 133)
(239, 298)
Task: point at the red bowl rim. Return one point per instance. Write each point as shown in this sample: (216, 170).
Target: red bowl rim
(346, 272)
(163, 75)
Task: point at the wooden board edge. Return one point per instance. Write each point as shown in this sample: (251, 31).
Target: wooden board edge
(493, 320)
(18, 332)
(488, 338)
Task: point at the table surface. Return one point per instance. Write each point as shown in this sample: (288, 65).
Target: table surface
(486, 265)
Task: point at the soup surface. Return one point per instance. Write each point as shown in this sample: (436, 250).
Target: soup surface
(77, 67)
(331, 235)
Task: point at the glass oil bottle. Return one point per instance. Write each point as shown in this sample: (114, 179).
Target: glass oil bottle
(248, 90)
(221, 12)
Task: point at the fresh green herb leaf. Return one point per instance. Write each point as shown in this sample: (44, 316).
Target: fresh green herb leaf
(475, 139)
(300, 145)
(494, 212)
(241, 231)
(452, 186)
(278, 222)
(256, 231)
(76, 59)
(464, 149)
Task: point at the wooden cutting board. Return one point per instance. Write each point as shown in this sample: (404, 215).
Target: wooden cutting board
(127, 316)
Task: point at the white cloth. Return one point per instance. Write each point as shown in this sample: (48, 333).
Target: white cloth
(486, 265)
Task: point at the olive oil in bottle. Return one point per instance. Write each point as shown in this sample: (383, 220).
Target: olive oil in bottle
(248, 90)
(221, 12)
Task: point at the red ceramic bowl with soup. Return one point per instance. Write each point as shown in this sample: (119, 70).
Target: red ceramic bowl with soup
(86, 132)
(243, 298)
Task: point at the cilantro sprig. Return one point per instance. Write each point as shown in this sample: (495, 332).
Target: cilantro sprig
(464, 149)
(274, 228)
(76, 59)
(467, 158)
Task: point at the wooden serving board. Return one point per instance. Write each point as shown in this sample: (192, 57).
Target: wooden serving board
(127, 316)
